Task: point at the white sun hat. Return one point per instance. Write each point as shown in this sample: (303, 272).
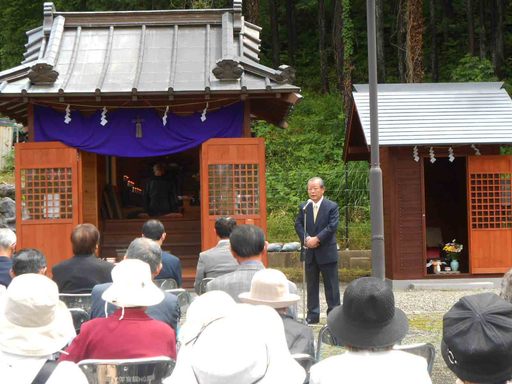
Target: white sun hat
(245, 347)
(205, 308)
(34, 321)
(269, 287)
(132, 285)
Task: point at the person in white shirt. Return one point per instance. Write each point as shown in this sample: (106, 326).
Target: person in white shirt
(477, 339)
(34, 326)
(368, 324)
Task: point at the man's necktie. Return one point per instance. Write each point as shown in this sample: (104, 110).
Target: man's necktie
(315, 212)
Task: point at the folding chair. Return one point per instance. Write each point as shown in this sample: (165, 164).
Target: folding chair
(184, 299)
(77, 300)
(149, 370)
(324, 337)
(166, 284)
(79, 316)
(306, 361)
(425, 350)
(202, 285)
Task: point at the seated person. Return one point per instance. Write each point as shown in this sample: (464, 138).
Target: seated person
(506, 286)
(7, 245)
(171, 265)
(160, 193)
(270, 287)
(203, 310)
(28, 260)
(247, 244)
(168, 310)
(218, 260)
(237, 349)
(128, 333)
(33, 329)
(477, 339)
(369, 325)
(84, 270)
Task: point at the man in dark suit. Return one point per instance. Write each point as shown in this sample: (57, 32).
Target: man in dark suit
(318, 234)
(84, 270)
(171, 265)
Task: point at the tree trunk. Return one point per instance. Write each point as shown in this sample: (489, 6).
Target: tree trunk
(414, 42)
(252, 11)
(321, 47)
(274, 28)
(482, 33)
(381, 63)
(498, 57)
(292, 30)
(400, 37)
(471, 28)
(337, 43)
(434, 58)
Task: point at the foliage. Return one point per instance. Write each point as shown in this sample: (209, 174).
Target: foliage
(472, 68)
(9, 162)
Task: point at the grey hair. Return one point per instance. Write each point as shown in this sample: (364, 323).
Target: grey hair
(7, 238)
(318, 180)
(506, 286)
(28, 260)
(146, 250)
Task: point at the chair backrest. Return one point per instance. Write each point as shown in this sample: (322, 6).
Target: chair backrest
(77, 300)
(202, 285)
(306, 361)
(151, 370)
(166, 284)
(79, 316)
(184, 299)
(426, 350)
(324, 337)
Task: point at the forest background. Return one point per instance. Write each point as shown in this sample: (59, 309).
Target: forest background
(326, 42)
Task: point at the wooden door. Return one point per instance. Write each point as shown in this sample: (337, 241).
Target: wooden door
(47, 198)
(490, 213)
(232, 184)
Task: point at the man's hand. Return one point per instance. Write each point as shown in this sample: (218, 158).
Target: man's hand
(312, 242)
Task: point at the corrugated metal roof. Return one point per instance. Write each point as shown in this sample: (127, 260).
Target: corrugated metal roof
(438, 113)
(183, 51)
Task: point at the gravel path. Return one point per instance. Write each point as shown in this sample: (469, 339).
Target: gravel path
(425, 309)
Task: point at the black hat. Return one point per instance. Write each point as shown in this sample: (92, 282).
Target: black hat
(368, 317)
(477, 338)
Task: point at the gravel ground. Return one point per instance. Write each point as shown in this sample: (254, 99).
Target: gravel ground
(425, 309)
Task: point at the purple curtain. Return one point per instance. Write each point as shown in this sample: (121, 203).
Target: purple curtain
(118, 136)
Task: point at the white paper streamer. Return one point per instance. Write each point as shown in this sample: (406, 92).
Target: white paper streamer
(432, 155)
(451, 158)
(477, 151)
(104, 120)
(203, 115)
(415, 154)
(67, 117)
(164, 118)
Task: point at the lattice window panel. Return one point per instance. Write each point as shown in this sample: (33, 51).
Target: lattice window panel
(46, 194)
(491, 200)
(233, 189)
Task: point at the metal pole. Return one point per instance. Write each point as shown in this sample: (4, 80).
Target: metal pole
(376, 205)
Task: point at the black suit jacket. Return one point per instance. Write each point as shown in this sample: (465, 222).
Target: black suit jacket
(81, 273)
(325, 229)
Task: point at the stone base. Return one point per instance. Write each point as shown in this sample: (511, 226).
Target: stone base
(357, 259)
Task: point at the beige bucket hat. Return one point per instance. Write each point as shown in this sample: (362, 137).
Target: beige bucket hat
(132, 285)
(269, 287)
(34, 321)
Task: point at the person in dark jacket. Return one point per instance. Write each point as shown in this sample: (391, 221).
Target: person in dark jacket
(84, 270)
(159, 193)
